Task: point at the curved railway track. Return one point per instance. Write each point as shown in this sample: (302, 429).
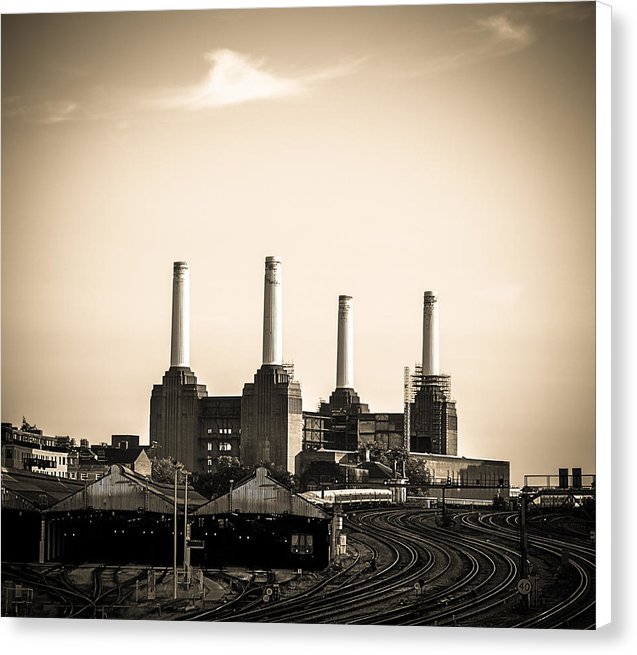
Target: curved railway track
(468, 577)
(577, 609)
(403, 569)
(75, 600)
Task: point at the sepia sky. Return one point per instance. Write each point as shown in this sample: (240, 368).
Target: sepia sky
(379, 151)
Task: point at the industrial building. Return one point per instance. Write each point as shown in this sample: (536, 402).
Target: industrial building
(124, 518)
(99, 503)
(121, 518)
(266, 424)
(260, 522)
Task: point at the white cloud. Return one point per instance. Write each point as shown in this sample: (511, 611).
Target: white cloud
(233, 78)
(236, 78)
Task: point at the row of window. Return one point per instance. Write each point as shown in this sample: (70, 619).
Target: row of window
(221, 430)
(70, 476)
(59, 459)
(84, 476)
(224, 446)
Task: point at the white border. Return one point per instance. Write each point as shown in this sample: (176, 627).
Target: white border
(603, 294)
(62, 636)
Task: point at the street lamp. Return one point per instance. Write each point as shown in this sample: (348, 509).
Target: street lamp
(186, 549)
(178, 467)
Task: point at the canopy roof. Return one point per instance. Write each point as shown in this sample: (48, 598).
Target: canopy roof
(34, 491)
(260, 493)
(123, 490)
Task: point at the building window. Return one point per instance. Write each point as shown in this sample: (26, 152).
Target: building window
(209, 430)
(210, 445)
(209, 461)
(83, 476)
(224, 446)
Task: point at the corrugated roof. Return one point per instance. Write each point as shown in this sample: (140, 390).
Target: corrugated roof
(37, 491)
(123, 490)
(261, 494)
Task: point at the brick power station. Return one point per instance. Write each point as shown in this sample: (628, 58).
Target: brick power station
(266, 423)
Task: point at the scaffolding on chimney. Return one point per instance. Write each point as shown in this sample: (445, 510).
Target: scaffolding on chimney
(288, 367)
(428, 417)
(408, 392)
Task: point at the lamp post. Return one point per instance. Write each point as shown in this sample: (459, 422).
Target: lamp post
(186, 550)
(177, 468)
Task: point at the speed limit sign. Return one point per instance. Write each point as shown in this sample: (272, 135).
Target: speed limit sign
(524, 586)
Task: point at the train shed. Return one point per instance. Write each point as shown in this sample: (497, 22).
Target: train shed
(122, 518)
(26, 497)
(261, 523)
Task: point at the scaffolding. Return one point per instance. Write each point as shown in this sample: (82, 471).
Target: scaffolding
(288, 367)
(430, 408)
(408, 400)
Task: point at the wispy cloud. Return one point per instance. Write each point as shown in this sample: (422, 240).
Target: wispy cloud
(235, 78)
(504, 33)
(494, 36)
(46, 113)
(58, 112)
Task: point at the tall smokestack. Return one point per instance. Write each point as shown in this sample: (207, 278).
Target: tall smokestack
(180, 338)
(430, 335)
(272, 309)
(345, 352)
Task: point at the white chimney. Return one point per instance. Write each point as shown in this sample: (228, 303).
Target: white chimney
(272, 311)
(345, 346)
(180, 338)
(430, 335)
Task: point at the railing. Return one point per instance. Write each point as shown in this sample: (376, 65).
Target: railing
(562, 481)
(34, 462)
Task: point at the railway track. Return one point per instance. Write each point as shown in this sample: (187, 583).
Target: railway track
(577, 609)
(404, 570)
(70, 598)
(468, 576)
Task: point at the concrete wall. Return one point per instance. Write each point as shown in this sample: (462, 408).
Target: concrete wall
(468, 471)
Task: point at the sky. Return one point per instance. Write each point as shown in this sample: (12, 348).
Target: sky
(378, 151)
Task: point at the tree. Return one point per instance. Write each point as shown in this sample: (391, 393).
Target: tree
(374, 451)
(227, 469)
(417, 471)
(394, 457)
(282, 475)
(163, 470)
(217, 482)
